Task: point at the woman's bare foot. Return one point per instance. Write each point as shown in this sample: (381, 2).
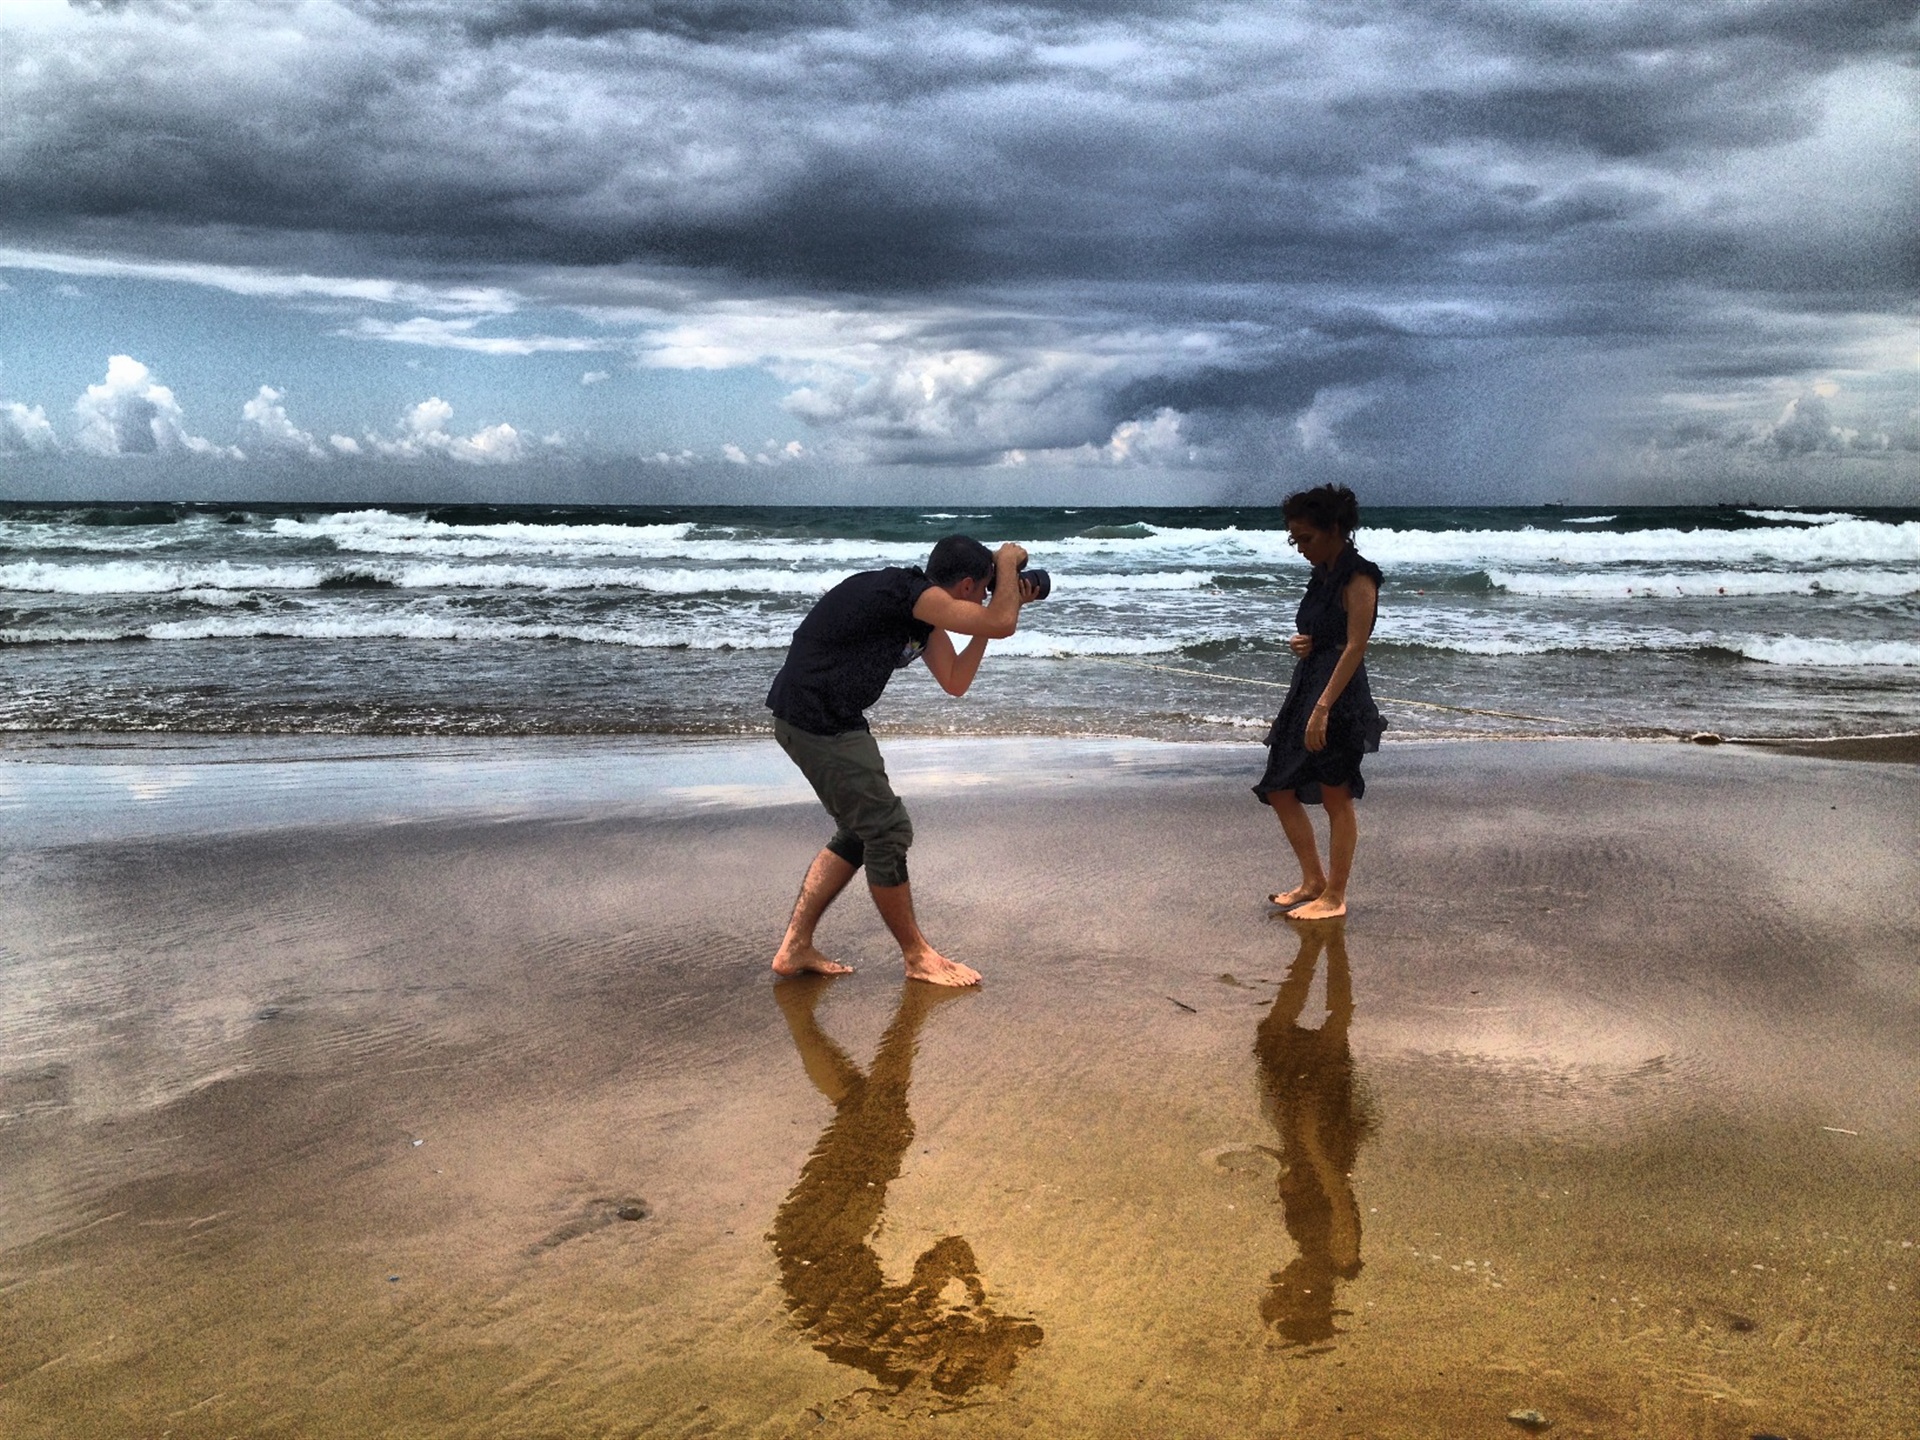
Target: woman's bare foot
(1300, 894)
(1326, 907)
(934, 968)
(805, 960)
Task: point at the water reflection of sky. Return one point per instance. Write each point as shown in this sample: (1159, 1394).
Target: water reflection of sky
(99, 790)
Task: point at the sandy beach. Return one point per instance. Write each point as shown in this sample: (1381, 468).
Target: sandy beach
(350, 1089)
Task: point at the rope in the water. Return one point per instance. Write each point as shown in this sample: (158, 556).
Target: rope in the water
(1276, 685)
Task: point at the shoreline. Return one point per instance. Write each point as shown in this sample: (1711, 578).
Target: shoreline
(335, 1106)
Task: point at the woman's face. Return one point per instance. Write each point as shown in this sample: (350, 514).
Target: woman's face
(1316, 546)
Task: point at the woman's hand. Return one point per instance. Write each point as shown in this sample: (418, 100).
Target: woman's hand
(1317, 728)
(1301, 646)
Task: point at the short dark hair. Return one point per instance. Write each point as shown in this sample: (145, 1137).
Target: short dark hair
(1325, 507)
(957, 558)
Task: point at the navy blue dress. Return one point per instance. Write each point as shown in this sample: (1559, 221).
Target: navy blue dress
(1353, 725)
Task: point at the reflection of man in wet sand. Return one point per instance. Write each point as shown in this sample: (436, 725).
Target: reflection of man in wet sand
(1306, 1077)
(937, 1327)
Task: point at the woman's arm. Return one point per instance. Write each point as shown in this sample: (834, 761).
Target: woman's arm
(1362, 600)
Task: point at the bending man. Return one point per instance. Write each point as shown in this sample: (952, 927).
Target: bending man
(840, 659)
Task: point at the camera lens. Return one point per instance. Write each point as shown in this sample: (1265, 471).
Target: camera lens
(1041, 581)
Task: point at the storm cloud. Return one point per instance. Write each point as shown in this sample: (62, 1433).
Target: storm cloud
(963, 234)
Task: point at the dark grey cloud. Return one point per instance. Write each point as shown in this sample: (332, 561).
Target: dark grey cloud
(898, 145)
(1329, 197)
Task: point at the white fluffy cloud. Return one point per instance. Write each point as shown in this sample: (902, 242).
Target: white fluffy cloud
(772, 453)
(424, 435)
(267, 414)
(1806, 426)
(1160, 440)
(132, 413)
(440, 332)
(24, 430)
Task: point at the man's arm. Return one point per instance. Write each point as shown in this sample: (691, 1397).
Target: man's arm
(954, 670)
(995, 620)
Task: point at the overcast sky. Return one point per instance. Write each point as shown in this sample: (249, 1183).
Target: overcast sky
(1445, 250)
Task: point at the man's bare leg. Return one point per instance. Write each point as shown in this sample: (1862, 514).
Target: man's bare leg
(895, 904)
(1343, 836)
(1299, 831)
(826, 878)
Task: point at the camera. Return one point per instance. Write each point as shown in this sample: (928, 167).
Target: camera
(1042, 582)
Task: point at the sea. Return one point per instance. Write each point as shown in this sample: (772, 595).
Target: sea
(454, 620)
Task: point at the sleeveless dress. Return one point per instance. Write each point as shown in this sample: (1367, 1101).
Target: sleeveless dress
(1354, 724)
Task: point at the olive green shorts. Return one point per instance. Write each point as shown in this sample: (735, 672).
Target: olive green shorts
(850, 778)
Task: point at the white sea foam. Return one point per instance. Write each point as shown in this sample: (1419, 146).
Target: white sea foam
(1624, 584)
(434, 626)
(1042, 643)
(378, 532)
(1844, 541)
(1458, 634)
(1834, 538)
(1840, 543)
(1803, 517)
(1587, 519)
(1824, 654)
(155, 577)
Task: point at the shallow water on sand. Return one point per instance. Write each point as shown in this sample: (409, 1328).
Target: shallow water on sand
(495, 1124)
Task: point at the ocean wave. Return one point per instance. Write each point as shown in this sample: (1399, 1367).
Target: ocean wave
(1802, 517)
(1829, 654)
(1816, 539)
(1617, 585)
(1816, 652)
(1785, 651)
(1842, 542)
(154, 577)
(449, 627)
(1039, 644)
(379, 532)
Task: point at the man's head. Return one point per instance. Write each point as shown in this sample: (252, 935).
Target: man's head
(959, 563)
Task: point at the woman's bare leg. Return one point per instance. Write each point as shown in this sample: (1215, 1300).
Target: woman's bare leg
(1343, 836)
(1299, 830)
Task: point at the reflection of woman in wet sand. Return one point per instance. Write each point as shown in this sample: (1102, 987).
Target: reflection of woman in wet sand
(1306, 1077)
(899, 1334)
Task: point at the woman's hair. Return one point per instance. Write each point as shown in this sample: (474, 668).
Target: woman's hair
(1325, 507)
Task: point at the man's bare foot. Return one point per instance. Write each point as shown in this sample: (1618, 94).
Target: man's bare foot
(805, 960)
(1326, 907)
(1296, 896)
(936, 969)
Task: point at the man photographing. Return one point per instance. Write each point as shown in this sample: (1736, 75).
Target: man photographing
(841, 657)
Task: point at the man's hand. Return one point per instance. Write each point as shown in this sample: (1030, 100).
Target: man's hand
(996, 617)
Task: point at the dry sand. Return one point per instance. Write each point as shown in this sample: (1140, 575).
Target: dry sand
(1600, 1104)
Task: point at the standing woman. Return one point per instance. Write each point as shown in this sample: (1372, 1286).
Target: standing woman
(1328, 720)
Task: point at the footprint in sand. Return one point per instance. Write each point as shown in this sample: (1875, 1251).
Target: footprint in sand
(598, 1214)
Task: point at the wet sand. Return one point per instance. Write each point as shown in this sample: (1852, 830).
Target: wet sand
(394, 1117)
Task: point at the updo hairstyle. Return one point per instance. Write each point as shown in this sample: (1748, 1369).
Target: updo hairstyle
(1325, 507)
